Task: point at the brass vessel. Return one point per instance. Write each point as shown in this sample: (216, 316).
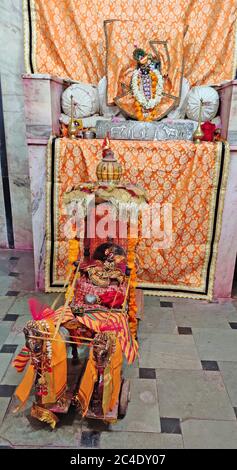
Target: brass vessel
(109, 170)
(198, 134)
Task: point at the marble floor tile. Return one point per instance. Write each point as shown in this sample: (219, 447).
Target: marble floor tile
(210, 365)
(157, 320)
(21, 267)
(5, 360)
(90, 439)
(20, 306)
(204, 434)
(151, 300)
(36, 434)
(129, 371)
(193, 394)
(4, 403)
(21, 322)
(140, 440)
(202, 319)
(191, 307)
(16, 337)
(216, 344)
(162, 351)
(11, 377)
(5, 304)
(232, 314)
(8, 348)
(5, 284)
(170, 425)
(143, 410)
(5, 329)
(229, 374)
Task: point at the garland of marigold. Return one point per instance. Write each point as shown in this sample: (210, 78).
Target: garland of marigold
(132, 304)
(138, 106)
(73, 255)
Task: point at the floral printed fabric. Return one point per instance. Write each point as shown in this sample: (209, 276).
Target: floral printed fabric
(66, 37)
(190, 179)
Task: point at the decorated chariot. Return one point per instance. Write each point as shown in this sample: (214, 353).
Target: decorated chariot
(101, 308)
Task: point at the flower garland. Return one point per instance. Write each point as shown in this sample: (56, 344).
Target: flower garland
(73, 255)
(132, 304)
(141, 101)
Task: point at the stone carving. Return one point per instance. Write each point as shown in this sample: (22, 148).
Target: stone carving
(181, 129)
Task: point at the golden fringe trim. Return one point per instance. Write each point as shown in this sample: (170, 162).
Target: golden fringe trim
(56, 205)
(235, 51)
(34, 34)
(177, 295)
(26, 26)
(48, 215)
(225, 174)
(48, 287)
(44, 415)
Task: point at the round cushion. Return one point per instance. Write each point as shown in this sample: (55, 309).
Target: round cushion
(105, 110)
(210, 106)
(179, 112)
(85, 98)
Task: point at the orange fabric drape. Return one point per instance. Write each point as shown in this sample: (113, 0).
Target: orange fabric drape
(68, 38)
(112, 382)
(179, 176)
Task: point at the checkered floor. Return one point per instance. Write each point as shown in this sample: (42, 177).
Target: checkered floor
(183, 387)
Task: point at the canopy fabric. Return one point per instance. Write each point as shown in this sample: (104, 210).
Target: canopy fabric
(66, 37)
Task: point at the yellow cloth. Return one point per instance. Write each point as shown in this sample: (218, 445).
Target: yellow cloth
(112, 376)
(87, 384)
(112, 387)
(24, 388)
(56, 380)
(68, 35)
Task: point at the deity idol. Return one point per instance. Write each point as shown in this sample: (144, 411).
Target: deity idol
(146, 84)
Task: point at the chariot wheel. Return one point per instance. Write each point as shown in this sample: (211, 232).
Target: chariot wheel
(124, 398)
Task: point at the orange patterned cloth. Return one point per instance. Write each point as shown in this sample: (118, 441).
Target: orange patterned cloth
(66, 37)
(189, 179)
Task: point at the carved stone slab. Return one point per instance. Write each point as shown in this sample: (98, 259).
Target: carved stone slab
(181, 129)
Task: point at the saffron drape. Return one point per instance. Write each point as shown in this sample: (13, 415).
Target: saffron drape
(187, 180)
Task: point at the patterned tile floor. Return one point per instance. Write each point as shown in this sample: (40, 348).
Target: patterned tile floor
(183, 387)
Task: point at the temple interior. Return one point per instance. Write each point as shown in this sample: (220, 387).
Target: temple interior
(118, 222)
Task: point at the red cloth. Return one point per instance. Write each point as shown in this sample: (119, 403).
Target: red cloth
(108, 299)
(209, 129)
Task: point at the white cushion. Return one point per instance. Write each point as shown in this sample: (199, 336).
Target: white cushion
(85, 98)
(105, 110)
(179, 112)
(210, 106)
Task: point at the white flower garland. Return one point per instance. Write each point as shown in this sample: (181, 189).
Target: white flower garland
(139, 93)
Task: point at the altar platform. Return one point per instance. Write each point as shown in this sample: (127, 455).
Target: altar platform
(43, 92)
